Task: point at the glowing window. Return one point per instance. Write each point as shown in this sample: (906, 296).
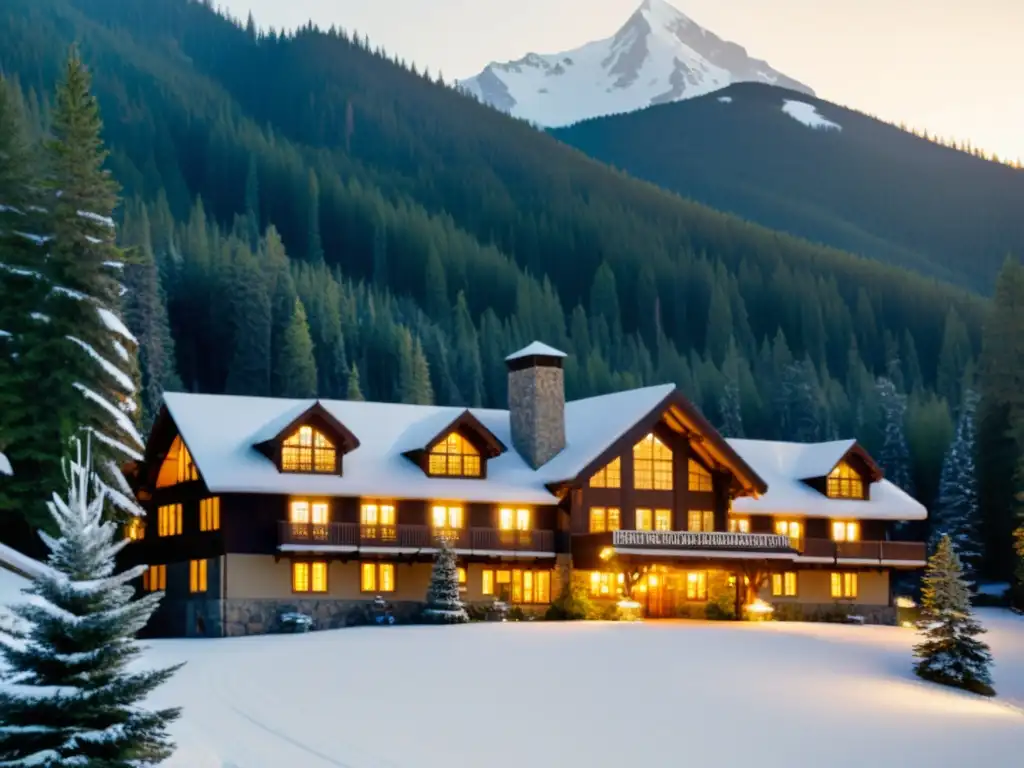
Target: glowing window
(604, 584)
(845, 531)
(462, 575)
(305, 511)
(845, 483)
(456, 456)
(510, 519)
(739, 525)
(197, 576)
(699, 479)
(309, 577)
(784, 584)
(442, 516)
(177, 467)
(377, 514)
(168, 520)
(652, 465)
(155, 578)
(308, 451)
(844, 585)
(135, 530)
(663, 519)
(604, 519)
(608, 477)
(517, 586)
(643, 519)
(792, 528)
(377, 577)
(697, 585)
(700, 520)
(209, 514)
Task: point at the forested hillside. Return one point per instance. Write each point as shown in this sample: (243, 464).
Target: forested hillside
(867, 187)
(310, 217)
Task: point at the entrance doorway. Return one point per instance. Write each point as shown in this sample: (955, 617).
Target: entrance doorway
(661, 591)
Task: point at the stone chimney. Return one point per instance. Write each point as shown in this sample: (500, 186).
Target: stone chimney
(536, 402)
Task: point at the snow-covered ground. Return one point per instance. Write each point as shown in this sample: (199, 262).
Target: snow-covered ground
(586, 694)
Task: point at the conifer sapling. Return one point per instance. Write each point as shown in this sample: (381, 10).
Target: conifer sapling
(67, 697)
(950, 651)
(443, 602)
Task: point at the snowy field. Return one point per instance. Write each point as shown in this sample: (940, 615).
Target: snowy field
(587, 694)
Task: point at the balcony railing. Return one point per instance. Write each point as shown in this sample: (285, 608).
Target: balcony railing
(870, 551)
(357, 536)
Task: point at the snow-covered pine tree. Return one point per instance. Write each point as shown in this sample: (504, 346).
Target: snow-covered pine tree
(94, 354)
(444, 605)
(894, 456)
(950, 651)
(22, 287)
(957, 512)
(68, 697)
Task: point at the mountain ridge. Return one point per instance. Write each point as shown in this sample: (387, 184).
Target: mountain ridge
(658, 56)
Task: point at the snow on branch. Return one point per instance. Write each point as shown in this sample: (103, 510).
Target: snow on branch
(5, 463)
(36, 239)
(119, 416)
(104, 220)
(116, 373)
(113, 322)
(20, 271)
(130, 452)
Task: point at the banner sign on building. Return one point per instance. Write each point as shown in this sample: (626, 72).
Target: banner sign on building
(695, 540)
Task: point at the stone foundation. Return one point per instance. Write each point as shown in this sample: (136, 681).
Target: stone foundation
(259, 617)
(834, 612)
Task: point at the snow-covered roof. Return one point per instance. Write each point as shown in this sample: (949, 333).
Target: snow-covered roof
(222, 430)
(785, 466)
(536, 349)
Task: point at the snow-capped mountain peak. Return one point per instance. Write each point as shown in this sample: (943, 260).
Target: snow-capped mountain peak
(659, 55)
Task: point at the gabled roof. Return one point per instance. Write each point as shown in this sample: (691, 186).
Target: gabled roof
(425, 435)
(287, 423)
(221, 431)
(785, 467)
(536, 349)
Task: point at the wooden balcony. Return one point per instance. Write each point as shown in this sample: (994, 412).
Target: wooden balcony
(352, 537)
(909, 553)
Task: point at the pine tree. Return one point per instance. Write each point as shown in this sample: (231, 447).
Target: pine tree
(354, 392)
(729, 406)
(90, 355)
(23, 289)
(145, 314)
(950, 652)
(249, 314)
(894, 456)
(70, 698)
(296, 365)
(413, 372)
(957, 512)
(315, 244)
(444, 606)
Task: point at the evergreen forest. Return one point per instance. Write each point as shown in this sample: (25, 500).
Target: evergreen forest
(305, 215)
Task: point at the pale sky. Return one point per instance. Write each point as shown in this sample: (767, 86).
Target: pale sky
(951, 66)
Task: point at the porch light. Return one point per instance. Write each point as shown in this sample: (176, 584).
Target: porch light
(606, 553)
(905, 602)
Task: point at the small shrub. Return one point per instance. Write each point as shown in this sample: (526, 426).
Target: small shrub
(572, 604)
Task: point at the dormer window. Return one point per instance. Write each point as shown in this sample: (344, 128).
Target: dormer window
(844, 482)
(178, 466)
(308, 450)
(454, 456)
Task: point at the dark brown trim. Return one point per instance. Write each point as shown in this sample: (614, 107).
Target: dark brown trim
(318, 416)
(534, 361)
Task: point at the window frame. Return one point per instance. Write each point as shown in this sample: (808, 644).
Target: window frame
(319, 444)
(844, 528)
(706, 524)
(844, 585)
(198, 573)
(699, 591)
(789, 522)
(442, 449)
(517, 516)
(310, 577)
(171, 523)
(737, 524)
(657, 469)
(159, 574)
(135, 529)
(605, 518)
(697, 476)
(490, 583)
(209, 514)
(378, 569)
(600, 579)
(448, 508)
(608, 476)
(845, 482)
(783, 586)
